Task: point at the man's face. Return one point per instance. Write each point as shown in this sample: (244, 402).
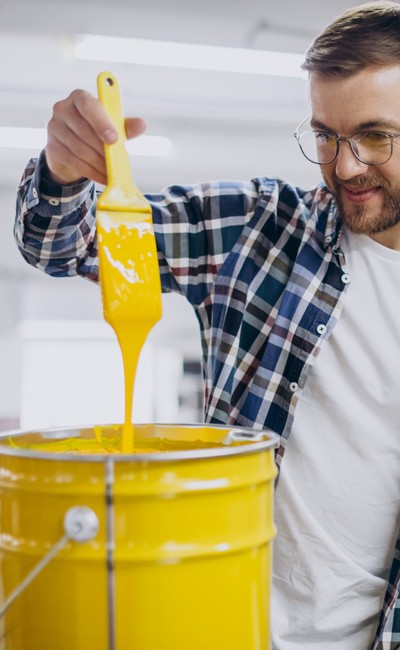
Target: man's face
(368, 196)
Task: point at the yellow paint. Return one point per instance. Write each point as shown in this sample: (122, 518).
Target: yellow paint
(107, 440)
(129, 273)
(192, 541)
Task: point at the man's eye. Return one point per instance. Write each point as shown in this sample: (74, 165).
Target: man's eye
(324, 138)
(373, 138)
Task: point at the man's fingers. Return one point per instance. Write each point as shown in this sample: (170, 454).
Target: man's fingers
(93, 112)
(134, 126)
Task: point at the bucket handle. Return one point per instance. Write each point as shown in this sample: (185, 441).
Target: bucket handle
(81, 524)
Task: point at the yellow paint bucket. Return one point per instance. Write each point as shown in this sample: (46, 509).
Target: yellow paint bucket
(168, 550)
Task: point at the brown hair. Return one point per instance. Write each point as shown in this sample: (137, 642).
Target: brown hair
(367, 35)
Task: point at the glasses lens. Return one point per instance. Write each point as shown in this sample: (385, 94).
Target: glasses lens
(373, 148)
(318, 147)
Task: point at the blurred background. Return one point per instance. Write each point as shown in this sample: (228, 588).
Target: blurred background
(60, 363)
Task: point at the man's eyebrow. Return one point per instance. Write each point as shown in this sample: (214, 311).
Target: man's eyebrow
(315, 124)
(376, 123)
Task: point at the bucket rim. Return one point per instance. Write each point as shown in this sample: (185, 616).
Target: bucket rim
(270, 440)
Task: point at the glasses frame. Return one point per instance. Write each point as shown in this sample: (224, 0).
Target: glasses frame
(340, 138)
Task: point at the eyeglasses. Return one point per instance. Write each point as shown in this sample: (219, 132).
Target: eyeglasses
(322, 147)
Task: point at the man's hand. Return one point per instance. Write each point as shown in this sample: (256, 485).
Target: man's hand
(76, 135)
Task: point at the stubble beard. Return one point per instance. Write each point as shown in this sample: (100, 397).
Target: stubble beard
(360, 219)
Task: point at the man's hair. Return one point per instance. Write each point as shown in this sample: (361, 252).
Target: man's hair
(367, 35)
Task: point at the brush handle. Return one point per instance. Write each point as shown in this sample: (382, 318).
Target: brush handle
(120, 192)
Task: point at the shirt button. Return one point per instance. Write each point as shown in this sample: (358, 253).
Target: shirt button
(34, 192)
(294, 386)
(345, 278)
(321, 329)
(328, 239)
(54, 202)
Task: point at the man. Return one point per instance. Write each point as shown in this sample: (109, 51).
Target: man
(281, 278)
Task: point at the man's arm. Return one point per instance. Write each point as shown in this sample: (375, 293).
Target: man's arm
(55, 226)
(196, 226)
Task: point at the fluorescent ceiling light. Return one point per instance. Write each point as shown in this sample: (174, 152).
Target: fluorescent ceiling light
(141, 51)
(13, 137)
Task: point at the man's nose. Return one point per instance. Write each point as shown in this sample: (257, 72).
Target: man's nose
(347, 165)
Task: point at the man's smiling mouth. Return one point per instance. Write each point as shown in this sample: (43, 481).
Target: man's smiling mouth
(360, 194)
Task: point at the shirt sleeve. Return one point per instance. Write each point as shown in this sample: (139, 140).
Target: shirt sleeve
(196, 228)
(55, 227)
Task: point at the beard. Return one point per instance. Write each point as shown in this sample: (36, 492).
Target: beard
(360, 218)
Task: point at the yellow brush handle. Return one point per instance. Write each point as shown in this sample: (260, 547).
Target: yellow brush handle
(120, 192)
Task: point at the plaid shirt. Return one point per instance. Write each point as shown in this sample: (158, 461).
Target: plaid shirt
(262, 266)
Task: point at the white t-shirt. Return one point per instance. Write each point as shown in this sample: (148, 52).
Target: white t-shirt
(337, 499)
